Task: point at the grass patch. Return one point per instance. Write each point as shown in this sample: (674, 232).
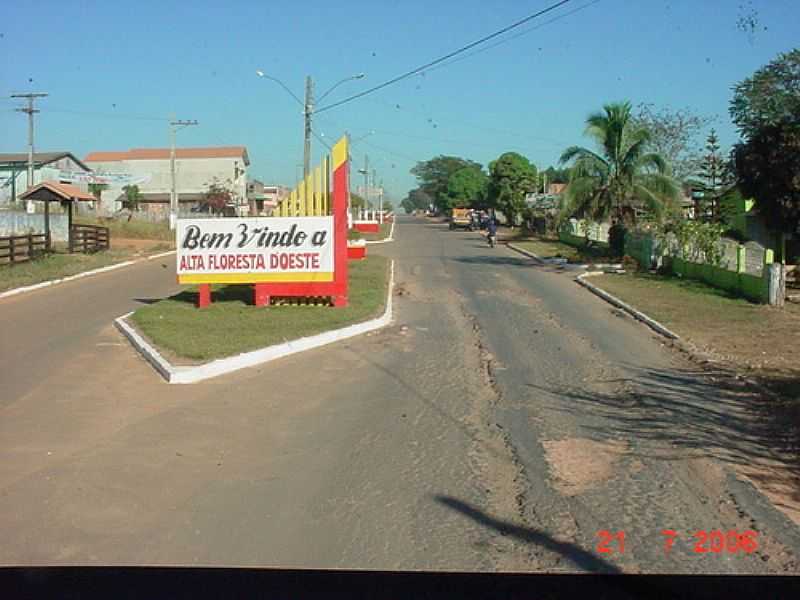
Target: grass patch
(554, 248)
(231, 325)
(748, 335)
(61, 264)
(133, 229)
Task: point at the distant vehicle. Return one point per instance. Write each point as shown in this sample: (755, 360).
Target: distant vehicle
(461, 218)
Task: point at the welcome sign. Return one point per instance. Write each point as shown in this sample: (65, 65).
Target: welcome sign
(255, 250)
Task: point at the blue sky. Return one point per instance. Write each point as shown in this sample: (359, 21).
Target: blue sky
(115, 73)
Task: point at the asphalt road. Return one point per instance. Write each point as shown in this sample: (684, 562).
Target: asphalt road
(505, 419)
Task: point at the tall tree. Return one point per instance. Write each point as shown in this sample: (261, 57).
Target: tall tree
(766, 109)
(467, 187)
(623, 177)
(769, 97)
(555, 175)
(713, 178)
(418, 199)
(132, 198)
(511, 178)
(218, 195)
(96, 190)
(675, 135)
(433, 176)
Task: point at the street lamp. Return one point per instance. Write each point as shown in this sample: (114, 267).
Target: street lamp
(308, 110)
(334, 86)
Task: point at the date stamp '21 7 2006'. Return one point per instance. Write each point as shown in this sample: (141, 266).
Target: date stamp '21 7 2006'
(705, 542)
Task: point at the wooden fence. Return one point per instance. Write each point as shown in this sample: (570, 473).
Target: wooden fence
(15, 249)
(88, 238)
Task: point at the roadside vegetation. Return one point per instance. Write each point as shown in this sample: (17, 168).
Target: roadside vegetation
(121, 227)
(552, 247)
(60, 264)
(231, 325)
(752, 338)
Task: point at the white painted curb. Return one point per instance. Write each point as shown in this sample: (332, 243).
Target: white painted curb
(561, 261)
(385, 240)
(44, 284)
(527, 253)
(640, 316)
(193, 374)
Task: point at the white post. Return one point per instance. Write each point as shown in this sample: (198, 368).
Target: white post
(380, 203)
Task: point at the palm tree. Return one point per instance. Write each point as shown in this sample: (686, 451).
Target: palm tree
(623, 177)
(96, 189)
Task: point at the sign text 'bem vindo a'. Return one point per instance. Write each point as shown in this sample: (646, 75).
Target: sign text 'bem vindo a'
(254, 250)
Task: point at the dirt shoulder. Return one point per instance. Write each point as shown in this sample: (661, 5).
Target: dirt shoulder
(750, 352)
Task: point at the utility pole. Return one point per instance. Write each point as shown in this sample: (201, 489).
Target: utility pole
(380, 202)
(173, 196)
(30, 97)
(308, 111)
(366, 182)
(373, 181)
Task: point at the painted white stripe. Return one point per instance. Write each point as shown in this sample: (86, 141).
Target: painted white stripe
(167, 253)
(385, 240)
(193, 374)
(44, 284)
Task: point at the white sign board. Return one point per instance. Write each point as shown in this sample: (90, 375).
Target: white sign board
(255, 250)
(111, 179)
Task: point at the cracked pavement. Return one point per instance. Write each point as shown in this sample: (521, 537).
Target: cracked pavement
(502, 421)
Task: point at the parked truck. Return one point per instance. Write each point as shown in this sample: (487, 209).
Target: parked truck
(461, 218)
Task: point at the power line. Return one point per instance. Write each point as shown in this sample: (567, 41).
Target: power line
(472, 125)
(107, 115)
(445, 57)
(517, 35)
(391, 152)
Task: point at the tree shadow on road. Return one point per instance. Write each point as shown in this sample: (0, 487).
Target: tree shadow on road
(219, 293)
(496, 260)
(582, 559)
(674, 414)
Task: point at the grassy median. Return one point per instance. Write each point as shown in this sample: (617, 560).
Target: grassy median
(231, 325)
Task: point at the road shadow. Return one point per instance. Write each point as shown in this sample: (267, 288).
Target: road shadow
(673, 414)
(497, 260)
(147, 300)
(582, 559)
(242, 293)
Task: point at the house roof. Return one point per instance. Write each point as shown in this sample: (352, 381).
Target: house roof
(39, 159)
(63, 191)
(164, 153)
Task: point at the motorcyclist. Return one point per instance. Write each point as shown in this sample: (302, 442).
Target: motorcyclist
(491, 231)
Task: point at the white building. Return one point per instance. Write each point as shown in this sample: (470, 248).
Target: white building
(59, 167)
(149, 168)
(263, 198)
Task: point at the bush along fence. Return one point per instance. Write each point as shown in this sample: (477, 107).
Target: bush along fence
(747, 270)
(577, 233)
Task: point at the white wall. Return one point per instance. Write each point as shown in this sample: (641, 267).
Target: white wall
(191, 176)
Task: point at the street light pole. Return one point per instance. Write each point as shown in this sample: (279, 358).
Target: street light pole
(366, 182)
(173, 196)
(380, 203)
(308, 111)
